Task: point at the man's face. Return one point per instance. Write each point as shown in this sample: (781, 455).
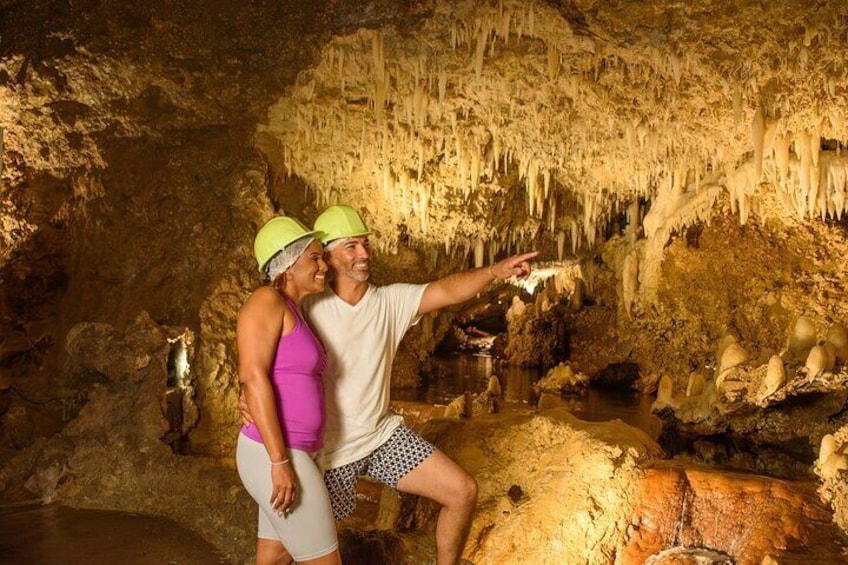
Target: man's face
(351, 258)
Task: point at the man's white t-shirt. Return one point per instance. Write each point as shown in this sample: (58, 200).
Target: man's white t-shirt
(361, 342)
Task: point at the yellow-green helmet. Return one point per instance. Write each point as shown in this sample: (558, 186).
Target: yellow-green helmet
(275, 235)
(340, 221)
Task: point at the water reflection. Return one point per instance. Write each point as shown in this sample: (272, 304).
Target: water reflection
(455, 374)
(58, 534)
(601, 405)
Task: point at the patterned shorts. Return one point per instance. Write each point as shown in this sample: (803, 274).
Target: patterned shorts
(389, 463)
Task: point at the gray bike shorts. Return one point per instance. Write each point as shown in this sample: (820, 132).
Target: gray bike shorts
(308, 531)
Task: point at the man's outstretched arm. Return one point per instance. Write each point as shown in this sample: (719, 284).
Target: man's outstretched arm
(459, 287)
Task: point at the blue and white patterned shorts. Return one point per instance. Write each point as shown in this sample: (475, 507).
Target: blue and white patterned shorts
(403, 451)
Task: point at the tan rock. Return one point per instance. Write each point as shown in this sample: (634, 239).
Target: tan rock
(744, 516)
(576, 480)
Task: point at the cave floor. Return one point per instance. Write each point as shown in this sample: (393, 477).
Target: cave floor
(58, 534)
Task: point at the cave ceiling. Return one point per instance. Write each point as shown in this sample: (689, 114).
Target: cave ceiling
(494, 123)
(455, 126)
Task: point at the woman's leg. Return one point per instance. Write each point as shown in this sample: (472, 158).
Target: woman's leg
(271, 552)
(308, 532)
(332, 559)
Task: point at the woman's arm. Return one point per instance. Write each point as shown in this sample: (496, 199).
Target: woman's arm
(261, 321)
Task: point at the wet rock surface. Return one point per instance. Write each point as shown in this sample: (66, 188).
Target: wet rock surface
(746, 517)
(142, 144)
(576, 481)
(57, 534)
(111, 454)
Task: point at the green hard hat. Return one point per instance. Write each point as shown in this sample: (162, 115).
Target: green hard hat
(339, 221)
(275, 235)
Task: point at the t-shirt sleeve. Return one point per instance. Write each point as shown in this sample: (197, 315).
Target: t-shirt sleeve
(405, 301)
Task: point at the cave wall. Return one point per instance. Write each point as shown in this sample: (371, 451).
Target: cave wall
(144, 143)
(132, 180)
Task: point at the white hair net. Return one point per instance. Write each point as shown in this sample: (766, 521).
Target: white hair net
(283, 260)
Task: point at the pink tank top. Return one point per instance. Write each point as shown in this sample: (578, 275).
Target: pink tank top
(296, 378)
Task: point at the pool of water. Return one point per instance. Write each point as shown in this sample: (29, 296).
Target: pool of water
(58, 534)
(452, 375)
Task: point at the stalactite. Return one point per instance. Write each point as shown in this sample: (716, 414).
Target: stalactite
(481, 91)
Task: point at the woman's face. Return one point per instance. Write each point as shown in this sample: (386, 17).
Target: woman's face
(307, 274)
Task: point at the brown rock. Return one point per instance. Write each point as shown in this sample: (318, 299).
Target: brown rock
(745, 516)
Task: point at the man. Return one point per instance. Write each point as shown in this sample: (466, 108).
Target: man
(361, 326)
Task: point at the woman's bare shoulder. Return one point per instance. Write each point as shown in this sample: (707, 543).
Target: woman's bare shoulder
(264, 300)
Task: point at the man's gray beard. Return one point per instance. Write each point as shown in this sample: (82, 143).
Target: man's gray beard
(359, 277)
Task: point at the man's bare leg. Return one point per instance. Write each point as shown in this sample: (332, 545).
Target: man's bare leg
(438, 477)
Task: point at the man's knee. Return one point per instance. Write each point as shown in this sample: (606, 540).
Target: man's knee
(470, 489)
(464, 490)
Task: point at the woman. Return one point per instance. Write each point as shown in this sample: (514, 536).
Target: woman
(281, 364)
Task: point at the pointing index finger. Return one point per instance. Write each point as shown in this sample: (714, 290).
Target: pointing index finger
(525, 256)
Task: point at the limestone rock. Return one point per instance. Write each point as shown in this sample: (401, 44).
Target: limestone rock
(689, 556)
(563, 379)
(459, 407)
(743, 516)
(576, 478)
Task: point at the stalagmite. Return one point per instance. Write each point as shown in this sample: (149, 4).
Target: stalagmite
(696, 384)
(817, 361)
(665, 391)
(802, 337)
(459, 407)
(830, 351)
(722, 345)
(775, 377)
(732, 356)
(494, 387)
(516, 310)
(827, 447)
(837, 335)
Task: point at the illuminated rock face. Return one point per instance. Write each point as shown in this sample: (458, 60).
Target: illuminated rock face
(575, 485)
(464, 130)
(744, 516)
(832, 467)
